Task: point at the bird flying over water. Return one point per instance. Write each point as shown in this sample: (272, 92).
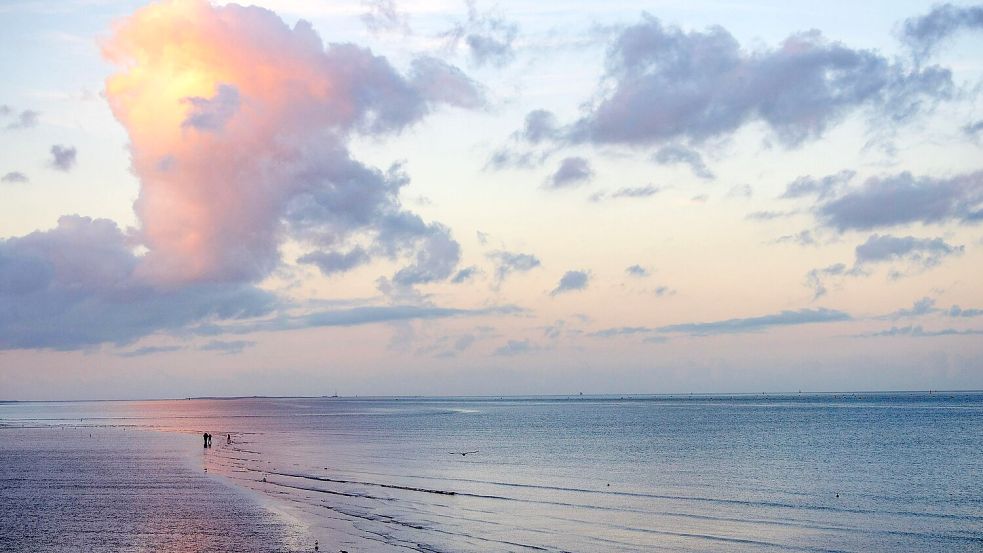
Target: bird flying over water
(463, 453)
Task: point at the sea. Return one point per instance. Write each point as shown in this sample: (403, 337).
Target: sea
(859, 472)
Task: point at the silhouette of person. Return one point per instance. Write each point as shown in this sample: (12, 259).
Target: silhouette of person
(229, 440)
(205, 438)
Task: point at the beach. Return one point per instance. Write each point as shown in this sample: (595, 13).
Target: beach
(847, 472)
(112, 488)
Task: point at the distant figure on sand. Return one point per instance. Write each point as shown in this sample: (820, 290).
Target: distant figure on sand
(229, 439)
(205, 438)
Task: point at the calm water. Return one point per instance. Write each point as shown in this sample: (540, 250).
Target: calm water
(868, 472)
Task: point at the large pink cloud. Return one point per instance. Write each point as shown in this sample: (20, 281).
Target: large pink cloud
(238, 126)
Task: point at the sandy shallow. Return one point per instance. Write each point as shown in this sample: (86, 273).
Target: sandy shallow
(97, 489)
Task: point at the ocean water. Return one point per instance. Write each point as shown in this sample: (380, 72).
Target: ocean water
(846, 472)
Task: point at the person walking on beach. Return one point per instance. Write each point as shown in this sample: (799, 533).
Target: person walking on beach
(229, 439)
(205, 438)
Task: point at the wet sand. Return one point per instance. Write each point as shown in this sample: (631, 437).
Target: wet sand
(101, 489)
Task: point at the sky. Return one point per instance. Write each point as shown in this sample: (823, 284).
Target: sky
(437, 197)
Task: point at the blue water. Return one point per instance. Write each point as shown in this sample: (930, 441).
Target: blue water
(853, 472)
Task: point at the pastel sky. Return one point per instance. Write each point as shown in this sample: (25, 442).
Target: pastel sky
(440, 197)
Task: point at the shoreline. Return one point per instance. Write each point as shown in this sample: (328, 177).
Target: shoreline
(112, 488)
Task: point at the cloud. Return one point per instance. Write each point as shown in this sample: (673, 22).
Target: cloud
(211, 114)
(903, 199)
(802, 238)
(336, 262)
(822, 188)
(280, 106)
(754, 324)
(507, 263)
(572, 281)
(24, 120)
(355, 316)
(743, 191)
(666, 85)
(917, 331)
(974, 128)
(621, 331)
(150, 350)
(923, 252)
(239, 128)
(516, 347)
(925, 33)
(572, 171)
(637, 271)
(488, 36)
(14, 177)
(770, 215)
(230, 347)
(63, 157)
(956, 311)
(383, 16)
(540, 126)
(661, 291)
(730, 326)
(921, 307)
(674, 153)
(77, 285)
(627, 192)
(465, 274)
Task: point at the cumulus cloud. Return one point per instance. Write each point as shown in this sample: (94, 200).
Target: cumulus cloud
(488, 37)
(675, 154)
(666, 85)
(507, 263)
(572, 171)
(540, 125)
(661, 291)
(465, 274)
(336, 262)
(919, 308)
(923, 252)
(63, 157)
(637, 271)
(77, 285)
(925, 33)
(210, 114)
(903, 199)
(516, 347)
(383, 16)
(280, 107)
(572, 281)
(802, 238)
(24, 120)
(956, 311)
(908, 253)
(821, 188)
(816, 278)
(239, 128)
(14, 177)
